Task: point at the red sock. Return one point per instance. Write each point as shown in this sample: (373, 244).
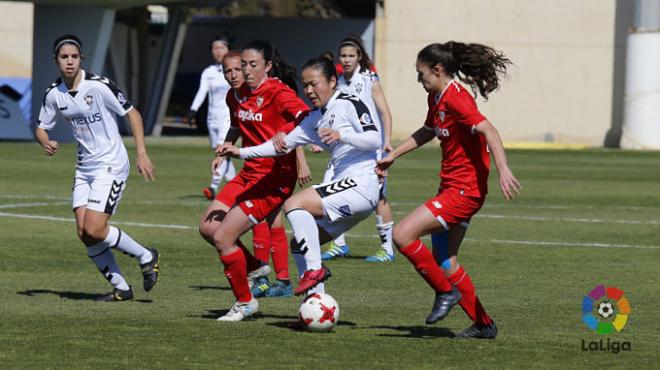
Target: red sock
(469, 302)
(261, 241)
(425, 264)
(236, 273)
(251, 262)
(280, 252)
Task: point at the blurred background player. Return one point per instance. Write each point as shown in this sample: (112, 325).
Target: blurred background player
(342, 125)
(214, 84)
(265, 105)
(358, 77)
(467, 138)
(89, 103)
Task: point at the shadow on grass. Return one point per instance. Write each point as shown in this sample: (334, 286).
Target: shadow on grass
(209, 287)
(416, 331)
(294, 325)
(78, 296)
(214, 314)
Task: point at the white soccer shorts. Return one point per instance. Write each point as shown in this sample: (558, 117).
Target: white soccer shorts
(346, 202)
(98, 193)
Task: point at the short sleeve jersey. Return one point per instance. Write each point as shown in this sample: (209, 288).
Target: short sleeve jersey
(361, 85)
(453, 116)
(91, 110)
(346, 114)
(260, 114)
(213, 84)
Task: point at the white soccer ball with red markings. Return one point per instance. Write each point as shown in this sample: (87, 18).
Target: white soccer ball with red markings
(319, 312)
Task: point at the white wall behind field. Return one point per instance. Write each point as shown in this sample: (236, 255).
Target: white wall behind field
(561, 87)
(16, 41)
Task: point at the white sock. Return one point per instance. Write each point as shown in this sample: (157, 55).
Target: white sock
(122, 241)
(340, 241)
(105, 261)
(385, 233)
(306, 234)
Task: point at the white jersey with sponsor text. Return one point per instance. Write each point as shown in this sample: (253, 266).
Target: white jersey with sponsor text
(90, 109)
(214, 84)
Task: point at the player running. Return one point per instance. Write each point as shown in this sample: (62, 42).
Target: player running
(214, 84)
(88, 102)
(359, 78)
(466, 137)
(264, 105)
(341, 124)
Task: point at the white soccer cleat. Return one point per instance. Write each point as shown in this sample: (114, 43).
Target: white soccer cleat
(241, 310)
(252, 276)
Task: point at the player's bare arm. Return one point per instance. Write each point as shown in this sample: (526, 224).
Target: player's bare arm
(50, 146)
(509, 185)
(144, 166)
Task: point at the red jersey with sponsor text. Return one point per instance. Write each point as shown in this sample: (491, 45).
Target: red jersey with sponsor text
(260, 114)
(453, 115)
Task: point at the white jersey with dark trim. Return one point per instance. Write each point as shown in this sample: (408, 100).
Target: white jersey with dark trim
(361, 85)
(214, 84)
(349, 116)
(91, 110)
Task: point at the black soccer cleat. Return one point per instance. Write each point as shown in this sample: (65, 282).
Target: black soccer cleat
(150, 270)
(443, 303)
(117, 295)
(479, 331)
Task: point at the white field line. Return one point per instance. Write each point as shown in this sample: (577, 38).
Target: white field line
(25, 205)
(480, 215)
(511, 205)
(494, 241)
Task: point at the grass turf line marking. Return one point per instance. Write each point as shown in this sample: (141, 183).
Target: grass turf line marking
(26, 205)
(495, 241)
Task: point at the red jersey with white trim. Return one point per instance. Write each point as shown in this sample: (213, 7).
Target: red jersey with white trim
(453, 115)
(260, 114)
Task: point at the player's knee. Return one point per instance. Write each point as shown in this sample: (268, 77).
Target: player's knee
(92, 233)
(400, 237)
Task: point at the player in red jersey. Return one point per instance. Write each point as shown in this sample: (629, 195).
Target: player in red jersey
(465, 136)
(268, 240)
(262, 107)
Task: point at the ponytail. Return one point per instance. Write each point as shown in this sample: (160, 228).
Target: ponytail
(479, 66)
(279, 69)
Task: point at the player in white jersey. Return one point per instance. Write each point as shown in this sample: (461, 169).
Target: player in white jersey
(359, 78)
(214, 84)
(89, 103)
(342, 125)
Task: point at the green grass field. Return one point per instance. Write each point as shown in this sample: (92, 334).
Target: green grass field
(585, 218)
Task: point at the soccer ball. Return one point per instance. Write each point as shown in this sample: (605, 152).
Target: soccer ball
(605, 309)
(319, 312)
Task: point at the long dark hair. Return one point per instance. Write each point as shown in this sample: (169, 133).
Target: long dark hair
(280, 69)
(477, 65)
(356, 42)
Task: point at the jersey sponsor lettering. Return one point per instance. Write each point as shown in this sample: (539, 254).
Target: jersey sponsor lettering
(249, 115)
(86, 120)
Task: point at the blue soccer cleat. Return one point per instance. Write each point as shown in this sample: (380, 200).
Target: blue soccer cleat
(335, 251)
(279, 289)
(380, 256)
(260, 287)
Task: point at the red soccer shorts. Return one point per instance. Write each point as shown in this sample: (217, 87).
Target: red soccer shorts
(257, 197)
(450, 207)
